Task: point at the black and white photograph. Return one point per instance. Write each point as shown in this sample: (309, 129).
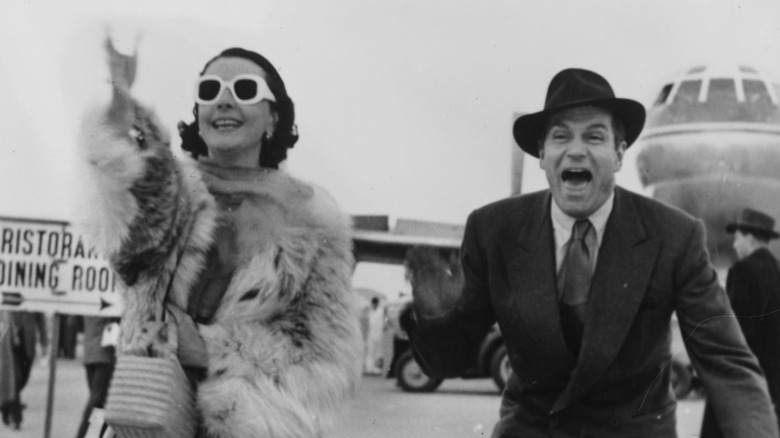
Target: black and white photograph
(376, 218)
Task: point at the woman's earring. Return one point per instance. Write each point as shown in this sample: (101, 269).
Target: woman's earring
(269, 134)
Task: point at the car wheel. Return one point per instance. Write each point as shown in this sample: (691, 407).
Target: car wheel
(681, 379)
(411, 377)
(500, 368)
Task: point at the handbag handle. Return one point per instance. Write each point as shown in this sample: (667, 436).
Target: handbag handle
(160, 314)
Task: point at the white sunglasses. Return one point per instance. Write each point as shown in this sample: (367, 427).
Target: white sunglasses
(247, 89)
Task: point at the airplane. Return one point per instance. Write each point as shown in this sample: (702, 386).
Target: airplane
(711, 146)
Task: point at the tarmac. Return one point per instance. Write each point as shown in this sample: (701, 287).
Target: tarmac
(459, 408)
(69, 398)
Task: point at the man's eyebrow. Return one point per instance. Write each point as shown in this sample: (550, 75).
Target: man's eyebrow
(563, 123)
(597, 125)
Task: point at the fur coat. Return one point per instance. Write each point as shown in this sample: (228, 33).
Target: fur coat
(284, 347)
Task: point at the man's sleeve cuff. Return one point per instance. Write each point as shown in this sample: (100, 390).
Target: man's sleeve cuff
(425, 323)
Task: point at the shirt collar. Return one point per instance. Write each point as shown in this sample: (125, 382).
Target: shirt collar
(563, 223)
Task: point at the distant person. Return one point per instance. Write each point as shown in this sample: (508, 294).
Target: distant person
(583, 279)
(28, 329)
(753, 286)
(7, 367)
(376, 328)
(99, 360)
(70, 326)
(400, 338)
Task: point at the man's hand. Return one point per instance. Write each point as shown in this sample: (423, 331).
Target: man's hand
(437, 282)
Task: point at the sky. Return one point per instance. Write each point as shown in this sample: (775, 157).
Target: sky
(404, 108)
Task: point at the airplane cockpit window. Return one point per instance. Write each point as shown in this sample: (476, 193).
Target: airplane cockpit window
(756, 92)
(688, 92)
(663, 95)
(722, 90)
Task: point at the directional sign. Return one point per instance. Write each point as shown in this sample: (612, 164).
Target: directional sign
(47, 266)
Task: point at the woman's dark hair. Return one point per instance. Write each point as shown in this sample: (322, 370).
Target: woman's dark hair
(274, 149)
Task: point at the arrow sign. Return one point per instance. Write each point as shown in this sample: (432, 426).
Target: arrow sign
(12, 299)
(59, 302)
(48, 266)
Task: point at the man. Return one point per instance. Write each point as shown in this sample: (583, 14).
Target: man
(99, 363)
(376, 328)
(28, 330)
(7, 367)
(587, 323)
(753, 286)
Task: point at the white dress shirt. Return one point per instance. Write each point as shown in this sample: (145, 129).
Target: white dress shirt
(562, 227)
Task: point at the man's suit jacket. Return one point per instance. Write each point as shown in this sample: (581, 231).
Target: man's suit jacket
(652, 262)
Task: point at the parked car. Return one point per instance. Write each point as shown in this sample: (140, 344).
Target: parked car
(491, 360)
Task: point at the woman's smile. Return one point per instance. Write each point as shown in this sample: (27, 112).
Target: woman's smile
(226, 124)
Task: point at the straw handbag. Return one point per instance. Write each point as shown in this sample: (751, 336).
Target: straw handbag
(151, 397)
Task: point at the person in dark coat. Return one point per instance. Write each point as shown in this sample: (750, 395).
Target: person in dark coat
(583, 279)
(70, 326)
(753, 286)
(7, 366)
(28, 330)
(99, 361)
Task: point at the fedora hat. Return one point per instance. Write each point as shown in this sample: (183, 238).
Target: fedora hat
(755, 222)
(571, 88)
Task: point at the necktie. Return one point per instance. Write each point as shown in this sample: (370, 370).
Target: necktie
(577, 271)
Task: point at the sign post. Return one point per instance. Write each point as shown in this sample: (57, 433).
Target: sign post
(55, 339)
(46, 266)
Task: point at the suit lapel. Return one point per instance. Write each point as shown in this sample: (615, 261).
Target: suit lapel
(625, 262)
(530, 264)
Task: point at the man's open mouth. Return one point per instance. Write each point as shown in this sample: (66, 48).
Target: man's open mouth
(576, 177)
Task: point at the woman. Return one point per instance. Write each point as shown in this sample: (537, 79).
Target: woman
(255, 265)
